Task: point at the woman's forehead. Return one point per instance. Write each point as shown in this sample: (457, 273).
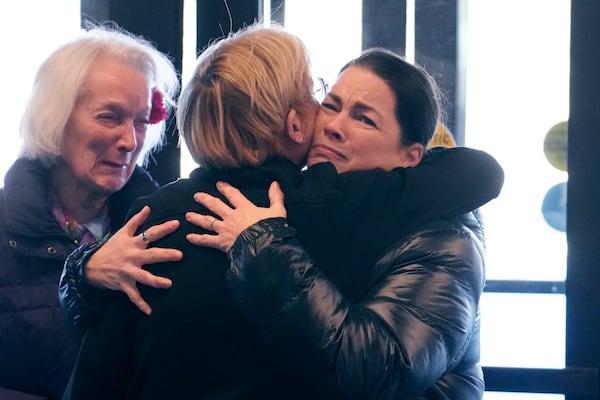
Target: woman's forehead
(363, 86)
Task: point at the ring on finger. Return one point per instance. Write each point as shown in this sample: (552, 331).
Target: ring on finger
(144, 237)
(212, 223)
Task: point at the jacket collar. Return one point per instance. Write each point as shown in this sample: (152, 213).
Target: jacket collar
(27, 198)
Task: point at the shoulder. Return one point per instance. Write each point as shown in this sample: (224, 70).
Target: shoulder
(168, 196)
(139, 184)
(141, 181)
(27, 179)
(449, 246)
(174, 199)
(450, 236)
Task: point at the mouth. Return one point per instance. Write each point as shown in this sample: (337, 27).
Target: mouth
(115, 164)
(327, 152)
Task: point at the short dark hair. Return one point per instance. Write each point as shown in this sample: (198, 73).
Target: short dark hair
(418, 98)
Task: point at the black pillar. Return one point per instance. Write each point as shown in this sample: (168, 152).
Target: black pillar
(437, 37)
(583, 204)
(161, 22)
(217, 18)
(437, 40)
(384, 25)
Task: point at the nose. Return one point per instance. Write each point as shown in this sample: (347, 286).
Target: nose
(127, 140)
(334, 130)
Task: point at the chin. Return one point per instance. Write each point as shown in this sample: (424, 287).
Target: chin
(312, 160)
(111, 186)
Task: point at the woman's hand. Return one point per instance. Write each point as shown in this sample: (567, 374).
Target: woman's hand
(118, 263)
(232, 221)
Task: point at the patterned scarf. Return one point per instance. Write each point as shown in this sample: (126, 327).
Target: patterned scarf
(96, 229)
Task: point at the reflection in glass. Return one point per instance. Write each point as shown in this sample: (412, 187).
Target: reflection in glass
(517, 89)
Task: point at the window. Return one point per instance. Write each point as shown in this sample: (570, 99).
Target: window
(517, 88)
(54, 22)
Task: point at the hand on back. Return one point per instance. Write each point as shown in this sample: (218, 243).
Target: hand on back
(117, 265)
(231, 221)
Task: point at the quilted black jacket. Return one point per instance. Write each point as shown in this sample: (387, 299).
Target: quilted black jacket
(412, 331)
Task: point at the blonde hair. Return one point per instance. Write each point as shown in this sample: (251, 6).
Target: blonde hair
(234, 107)
(60, 78)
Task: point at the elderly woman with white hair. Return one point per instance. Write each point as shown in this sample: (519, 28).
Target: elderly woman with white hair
(97, 109)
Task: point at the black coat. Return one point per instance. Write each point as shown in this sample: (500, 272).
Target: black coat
(412, 331)
(198, 343)
(37, 349)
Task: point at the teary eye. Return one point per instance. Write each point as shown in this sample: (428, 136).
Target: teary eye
(366, 120)
(329, 106)
(142, 124)
(109, 118)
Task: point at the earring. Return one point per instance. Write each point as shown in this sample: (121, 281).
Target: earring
(302, 139)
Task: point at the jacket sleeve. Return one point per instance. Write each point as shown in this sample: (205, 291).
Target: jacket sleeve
(412, 325)
(81, 302)
(448, 181)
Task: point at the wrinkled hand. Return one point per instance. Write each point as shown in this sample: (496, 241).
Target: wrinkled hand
(231, 221)
(118, 263)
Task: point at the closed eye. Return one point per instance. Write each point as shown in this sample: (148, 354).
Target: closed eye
(142, 124)
(329, 106)
(366, 120)
(109, 118)
(331, 102)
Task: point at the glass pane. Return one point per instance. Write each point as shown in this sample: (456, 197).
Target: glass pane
(30, 30)
(338, 37)
(523, 330)
(517, 89)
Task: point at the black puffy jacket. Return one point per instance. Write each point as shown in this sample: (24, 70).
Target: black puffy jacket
(412, 332)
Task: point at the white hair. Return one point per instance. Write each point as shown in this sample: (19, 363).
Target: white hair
(60, 77)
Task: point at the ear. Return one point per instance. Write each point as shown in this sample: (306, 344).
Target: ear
(413, 154)
(295, 127)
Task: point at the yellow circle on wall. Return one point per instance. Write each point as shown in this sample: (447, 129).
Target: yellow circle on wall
(555, 146)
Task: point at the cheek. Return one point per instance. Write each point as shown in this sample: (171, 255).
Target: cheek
(75, 151)
(140, 138)
(319, 125)
(79, 161)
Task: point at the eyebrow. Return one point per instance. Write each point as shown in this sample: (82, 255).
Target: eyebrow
(359, 105)
(365, 107)
(334, 97)
(119, 108)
